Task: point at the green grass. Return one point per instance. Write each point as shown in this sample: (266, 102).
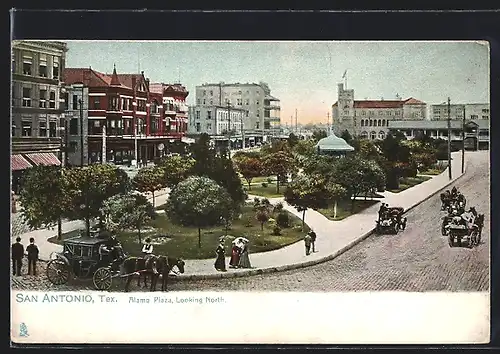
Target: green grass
(269, 191)
(435, 170)
(344, 209)
(408, 182)
(184, 240)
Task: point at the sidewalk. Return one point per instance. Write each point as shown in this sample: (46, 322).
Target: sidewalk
(333, 237)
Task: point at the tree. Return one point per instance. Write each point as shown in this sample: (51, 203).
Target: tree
(292, 140)
(88, 187)
(262, 217)
(149, 179)
(358, 176)
(279, 164)
(200, 202)
(322, 165)
(128, 211)
(346, 136)
(307, 192)
(317, 135)
(226, 176)
(249, 168)
(204, 156)
(42, 197)
(275, 146)
(176, 169)
(305, 148)
(335, 193)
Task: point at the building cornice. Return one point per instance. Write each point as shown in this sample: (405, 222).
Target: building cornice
(49, 47)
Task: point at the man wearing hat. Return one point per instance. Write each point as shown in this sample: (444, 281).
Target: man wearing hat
(17, 257)
(313, 240)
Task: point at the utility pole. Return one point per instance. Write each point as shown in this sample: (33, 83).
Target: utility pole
(296, 122)
(327, 123)
(229, 126)
(62, 158)
(104, 149)
(463, 141)
(81, 129)
(449, 141)
(242, 132)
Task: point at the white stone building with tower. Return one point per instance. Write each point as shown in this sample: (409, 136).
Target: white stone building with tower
(370, 118)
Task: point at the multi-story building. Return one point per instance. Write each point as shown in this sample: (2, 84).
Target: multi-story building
(36, 112)
(472, 111)
(370, 118)
(126, 121)
(76, 99)
(263, 109)
(174, 105)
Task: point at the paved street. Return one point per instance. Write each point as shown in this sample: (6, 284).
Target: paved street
(418, 259)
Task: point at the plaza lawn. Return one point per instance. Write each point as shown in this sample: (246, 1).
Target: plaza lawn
(408, 182)
(183, 241)
(344, 209)
(436, 170)
(269, 191)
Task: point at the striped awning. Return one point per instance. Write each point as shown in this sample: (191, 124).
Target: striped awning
(18, 163)
(43, 158)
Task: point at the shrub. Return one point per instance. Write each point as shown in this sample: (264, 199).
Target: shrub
(269, 180)
(278, 207)
(283, 219)
(264, 184)
(276, 231)
(256, 200)
(248, 222)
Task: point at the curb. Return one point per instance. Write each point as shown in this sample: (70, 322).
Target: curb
(268, 270)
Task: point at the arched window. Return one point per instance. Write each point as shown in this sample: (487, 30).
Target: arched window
(371, 122)
(373, 135)
(381, 135)
(362, 122)
(364, 135)
(383, 122)
(379, 122)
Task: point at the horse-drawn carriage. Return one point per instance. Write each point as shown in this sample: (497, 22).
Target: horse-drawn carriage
(390, 220)
(460, 230)
(452, 199)
(82, 257)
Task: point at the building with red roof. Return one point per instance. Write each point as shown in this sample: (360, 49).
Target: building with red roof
(370, 118)
(126, 118)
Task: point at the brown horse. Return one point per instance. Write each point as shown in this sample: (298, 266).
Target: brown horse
(138, 266)
(172, 262)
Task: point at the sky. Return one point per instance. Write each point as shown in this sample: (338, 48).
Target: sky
(304, 75)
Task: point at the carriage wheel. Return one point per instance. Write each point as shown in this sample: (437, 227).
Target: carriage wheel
(57, 272)
(443, 229)
(102, 278)
(450, 240)
(395, 228)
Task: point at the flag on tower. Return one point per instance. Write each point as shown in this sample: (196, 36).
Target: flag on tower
(345, 73)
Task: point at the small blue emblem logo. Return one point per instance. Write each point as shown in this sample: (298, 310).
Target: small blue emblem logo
(23, 330)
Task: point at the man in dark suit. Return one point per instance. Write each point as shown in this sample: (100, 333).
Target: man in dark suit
(32, 251)
(17, 257)
(313, 240)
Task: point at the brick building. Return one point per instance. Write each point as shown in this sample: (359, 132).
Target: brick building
(125, 118)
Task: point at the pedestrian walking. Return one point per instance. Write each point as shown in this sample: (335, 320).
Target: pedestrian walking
(17, 257)
(244, 259)
(313, 240)
(307, 242)
(220, 261)
(32, 253)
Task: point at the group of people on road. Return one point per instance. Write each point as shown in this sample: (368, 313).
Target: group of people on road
(239, 254)
(18, 254)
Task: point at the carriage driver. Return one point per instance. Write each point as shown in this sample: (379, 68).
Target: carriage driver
(112, 247)
(147, 251)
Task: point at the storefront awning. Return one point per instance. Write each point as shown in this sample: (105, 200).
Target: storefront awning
(18, 163)
(187, 140)
(43, 158)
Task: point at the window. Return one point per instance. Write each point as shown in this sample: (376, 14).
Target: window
(247, 102)
(474, 116)
(371, 122)
(52, 129)
(42, 67)
(197, 114)
(398, 113)
(52, 99)
(211, 102)
(484, 117)
(258, 114)
(239, 102)
(27, 63)
(379, 122)
(73, 145)
(13, 130)
(26, 131)
(370, 113)
(26, 97)
(383, 122)
(204, 102)
(381, 135)
(204, 92)
(363, 113)
(389, 113)
(198, 101)
(73, 126)
(257, 102)
(55, 69)
(364, 135)
(43, 98)
(97, 103)
(75, 102)
(13, 64)
(373, 135)
(485, 110)
(209, 126)
(346, 112)
(66, 101)
(380, 113)
(239, 92)
(13, 96)
(362, 122)
(198, 127)
(42, 128)
(211, 93)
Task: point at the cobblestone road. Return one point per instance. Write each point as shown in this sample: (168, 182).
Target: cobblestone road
(418, 259)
